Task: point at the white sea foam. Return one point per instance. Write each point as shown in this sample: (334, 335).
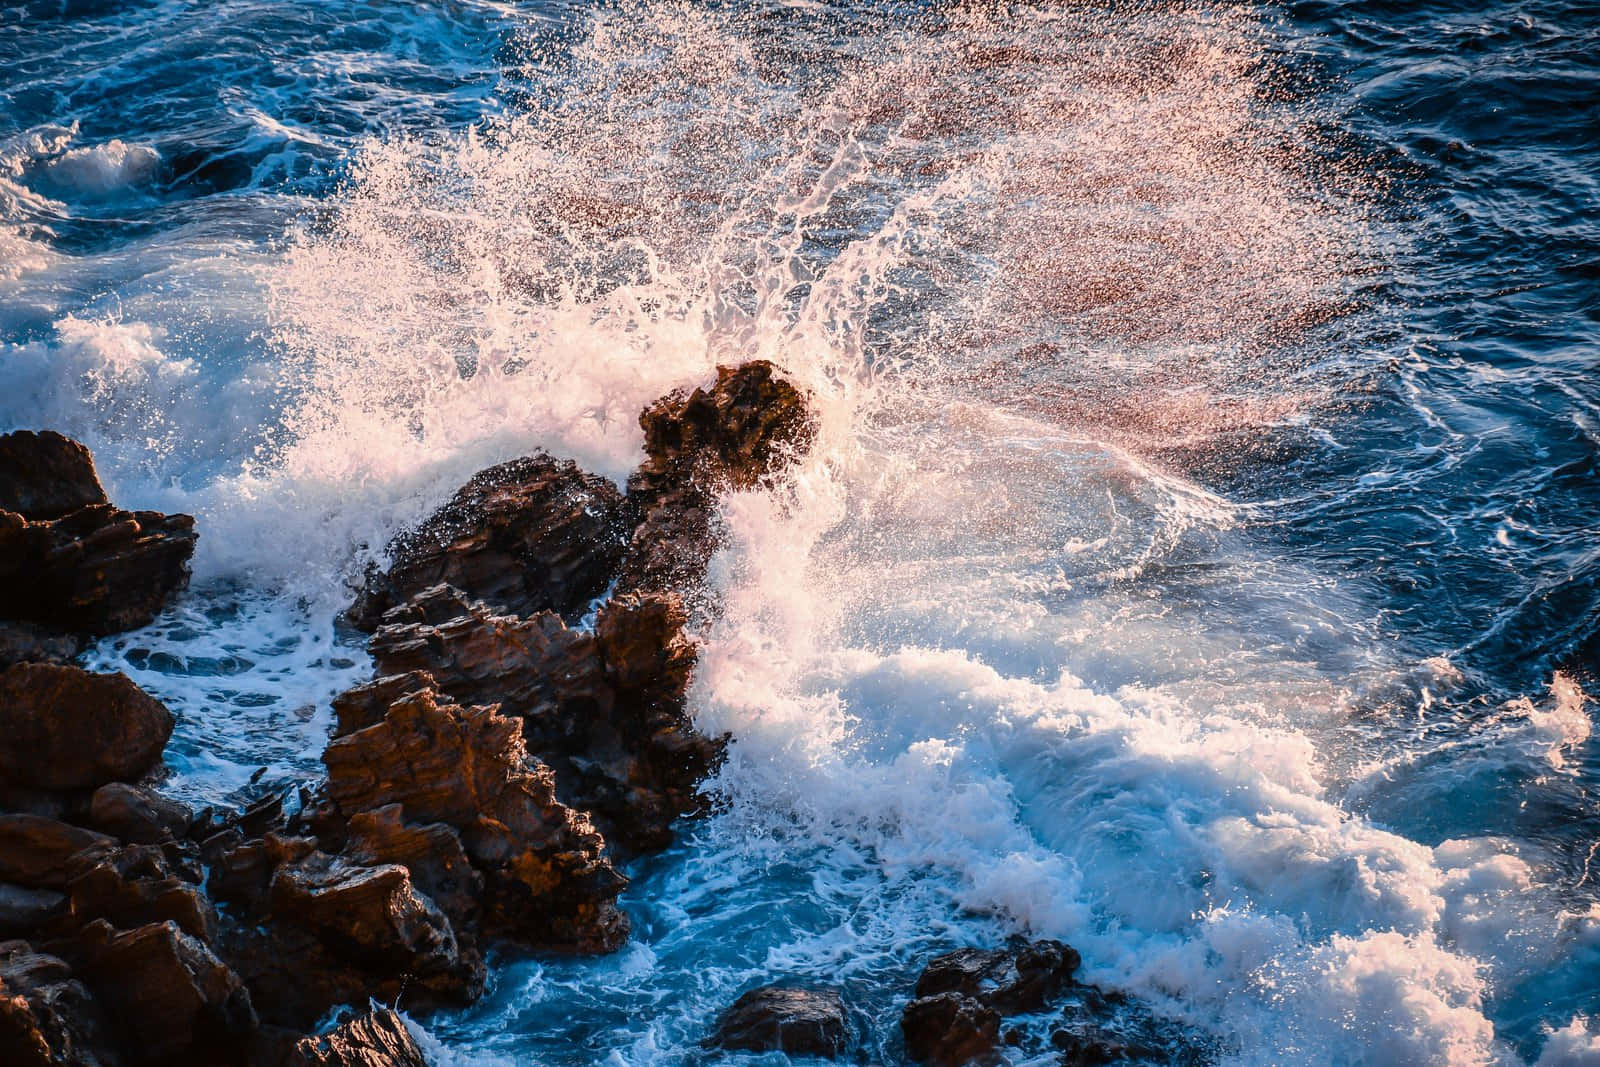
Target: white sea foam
(990, 663)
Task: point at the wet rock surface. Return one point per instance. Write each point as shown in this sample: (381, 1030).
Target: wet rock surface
(968, 1005)
(66, 728)
(69, 559)
(809, 1022)
(535, 534)
(471, 788)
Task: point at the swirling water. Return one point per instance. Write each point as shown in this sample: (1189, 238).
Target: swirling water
(1197, 560)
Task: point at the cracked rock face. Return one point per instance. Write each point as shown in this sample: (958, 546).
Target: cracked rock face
(535, 534)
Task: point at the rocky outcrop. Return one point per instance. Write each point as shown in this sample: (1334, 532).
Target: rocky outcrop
(971, 1002)
(809, 1022)
(740, 434)
(535, 534)
(375, 1039)
(604, 710)
(68, 729)
(546, 880)
(68, 558)
(26, 642)
(45, 475)
(47, 1016)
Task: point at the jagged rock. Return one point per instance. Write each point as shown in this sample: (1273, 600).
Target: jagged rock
(375, 1039)
(134, 886)
(375, 917)
(26, 642)
(96, 570)
(44, 475)
(748, 426)
(810, 1022)
(547, 881)
(138, 815)
(960, 998)
(432, 853)
(604, 711)
(366, 705)
(169, 993)
(950, 1030)
(535, 534)
(47, 1017)
(64, 728)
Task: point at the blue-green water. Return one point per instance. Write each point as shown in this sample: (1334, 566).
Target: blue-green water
(1197, 563)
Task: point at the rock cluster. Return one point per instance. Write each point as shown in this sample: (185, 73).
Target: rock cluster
(474, 790)
(959, 1011)
(68, 558)
(810, 1022)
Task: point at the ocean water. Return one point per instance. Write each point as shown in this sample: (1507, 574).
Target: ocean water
(1198, 560)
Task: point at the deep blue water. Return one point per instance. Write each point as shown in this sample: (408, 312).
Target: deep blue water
(1409, 470)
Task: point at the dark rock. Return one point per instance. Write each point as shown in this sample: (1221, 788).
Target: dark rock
(38, 852)
(739, 434)
(96, 570)
(26, 642)
(169, 993)
(23, 910)
(47, 1017)
(44, 475)
(747, 427)
(366, 705)
(135, 886)
(433, 853)
(373, 916)
(1013, 981)
(604, 711)
(64, 728)
(810, 1022)
(547, 881)
(137, 814)
(535, 534)
(950, 1030)
(376, 1038)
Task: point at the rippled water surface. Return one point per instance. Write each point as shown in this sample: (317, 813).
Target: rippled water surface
(1197, 562)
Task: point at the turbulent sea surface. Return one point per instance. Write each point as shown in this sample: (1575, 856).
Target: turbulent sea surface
(1199, 561)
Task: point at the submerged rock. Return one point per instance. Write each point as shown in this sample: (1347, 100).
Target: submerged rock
(535, 534)
(63, 728)
(810, 1022)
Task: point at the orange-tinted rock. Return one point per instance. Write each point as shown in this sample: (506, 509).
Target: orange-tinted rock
(547, 881)
(376, 1038)
(37, 852)
(433, 853)
(64, 728)
(535, 534)
(47, 1016)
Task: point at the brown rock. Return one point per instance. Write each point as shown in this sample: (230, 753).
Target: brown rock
(747, 427)
(535, 534)
(810, 1022)
(24, 911)
(366, 705)
(134, 886)
(547, 880)
(432, 853)
(168, 993)
(950, 1030)
(37, 852)
(372, 915)
(64, 728)
(44, 475)
(375, 1039)
(47, 1017)
(26, 642)
(137, 814)
(96, 570)
(604, 711)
